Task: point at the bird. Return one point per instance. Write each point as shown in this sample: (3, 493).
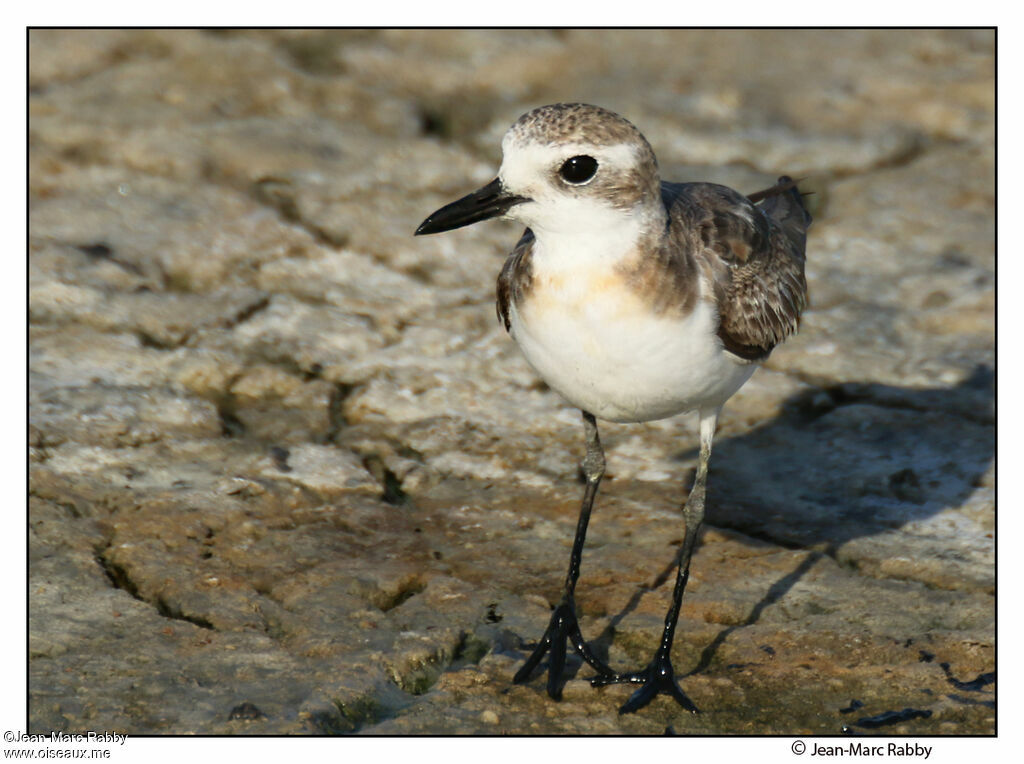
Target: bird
(635, 299)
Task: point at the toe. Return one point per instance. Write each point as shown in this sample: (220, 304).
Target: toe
(640, 698)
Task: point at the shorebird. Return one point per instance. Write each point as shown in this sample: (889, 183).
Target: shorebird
(636, 299)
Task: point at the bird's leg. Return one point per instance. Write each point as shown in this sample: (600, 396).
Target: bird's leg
(563, 625)
(659, 676)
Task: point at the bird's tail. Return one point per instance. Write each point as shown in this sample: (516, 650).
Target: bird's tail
(784, 204)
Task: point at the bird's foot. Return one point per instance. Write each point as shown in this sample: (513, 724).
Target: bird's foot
(563, 627)
(657, 678)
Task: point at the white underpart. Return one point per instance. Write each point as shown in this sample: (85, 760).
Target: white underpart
(587, 333)
(605, 352)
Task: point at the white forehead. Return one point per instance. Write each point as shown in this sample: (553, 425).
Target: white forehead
(525, 162)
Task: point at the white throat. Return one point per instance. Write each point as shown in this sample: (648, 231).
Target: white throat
(583, 233)
(601, 238)
(576, 225)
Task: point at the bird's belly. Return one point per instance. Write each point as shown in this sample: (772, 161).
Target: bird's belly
(607, 353)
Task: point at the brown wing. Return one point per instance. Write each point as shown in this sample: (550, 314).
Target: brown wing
(754, 255)
(515, 277)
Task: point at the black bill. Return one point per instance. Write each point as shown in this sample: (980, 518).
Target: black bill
(489, 202)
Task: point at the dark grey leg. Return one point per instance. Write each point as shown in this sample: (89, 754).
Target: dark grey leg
(659, 676)
(563, 625)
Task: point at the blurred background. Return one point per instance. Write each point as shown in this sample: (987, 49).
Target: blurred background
(278, 444)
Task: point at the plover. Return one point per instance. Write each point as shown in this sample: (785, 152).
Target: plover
(636, 299)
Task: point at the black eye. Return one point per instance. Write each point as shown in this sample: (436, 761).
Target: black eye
(578, 170)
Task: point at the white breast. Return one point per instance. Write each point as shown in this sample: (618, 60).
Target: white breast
(595, 342)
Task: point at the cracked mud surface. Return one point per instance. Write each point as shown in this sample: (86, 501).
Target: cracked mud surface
(288, 475)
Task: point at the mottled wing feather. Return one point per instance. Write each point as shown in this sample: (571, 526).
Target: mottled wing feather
(754, 257)
(515, 276)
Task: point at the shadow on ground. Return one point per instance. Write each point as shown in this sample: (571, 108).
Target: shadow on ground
(857, 462)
